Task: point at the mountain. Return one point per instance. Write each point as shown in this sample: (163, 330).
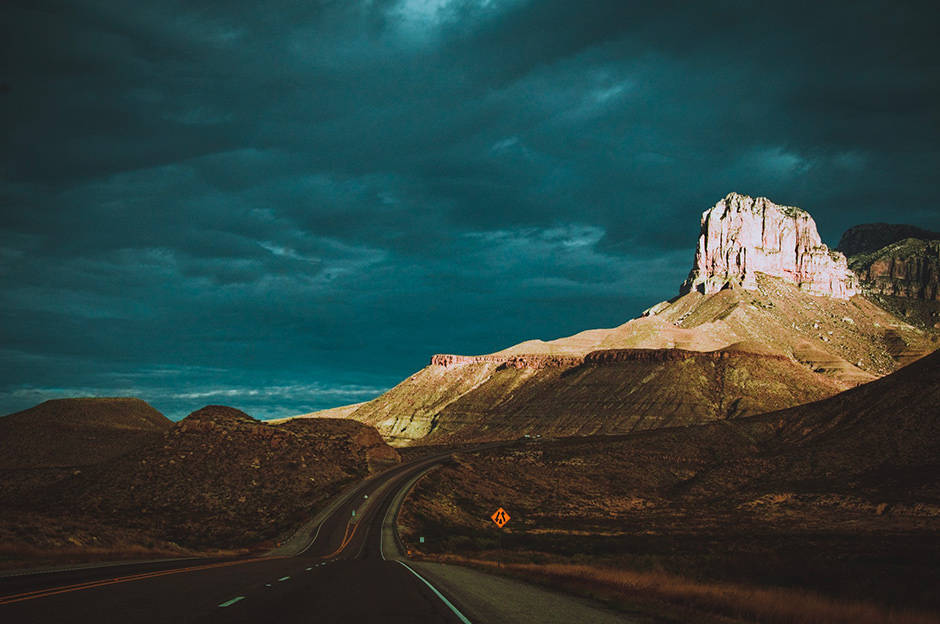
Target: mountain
(767, 319)
(903, 275)
(216, 479)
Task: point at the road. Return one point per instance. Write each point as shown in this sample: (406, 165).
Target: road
(346, 568)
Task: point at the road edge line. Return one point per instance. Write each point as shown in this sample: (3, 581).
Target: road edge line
(447, 602)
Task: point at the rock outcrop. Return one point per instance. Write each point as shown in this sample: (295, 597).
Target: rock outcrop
(909, 268)
(529, 360)
(904, 278)
(741, 236)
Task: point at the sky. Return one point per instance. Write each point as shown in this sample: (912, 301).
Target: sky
(288, 206)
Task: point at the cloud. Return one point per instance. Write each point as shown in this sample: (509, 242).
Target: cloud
(303, 192)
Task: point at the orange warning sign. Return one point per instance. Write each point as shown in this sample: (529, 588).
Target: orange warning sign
(500, 517)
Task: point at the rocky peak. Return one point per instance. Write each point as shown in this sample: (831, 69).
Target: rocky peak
(741, 236)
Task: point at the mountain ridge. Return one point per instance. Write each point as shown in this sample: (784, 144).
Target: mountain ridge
(804, 322)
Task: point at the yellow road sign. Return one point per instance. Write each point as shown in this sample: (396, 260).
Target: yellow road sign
(500, 517)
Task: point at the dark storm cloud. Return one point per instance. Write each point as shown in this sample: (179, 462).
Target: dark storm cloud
(287, 206)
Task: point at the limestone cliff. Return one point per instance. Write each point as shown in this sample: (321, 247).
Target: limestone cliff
(742, 236)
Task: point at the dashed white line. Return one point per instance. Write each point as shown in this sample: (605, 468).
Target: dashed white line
(229, 603)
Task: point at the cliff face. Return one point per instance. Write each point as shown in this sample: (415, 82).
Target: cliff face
(910, 268)
(902, 276)
(741, 236)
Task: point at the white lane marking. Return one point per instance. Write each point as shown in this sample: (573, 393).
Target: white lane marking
(382, 528)
(459, 615)
(229, 603)
(308, 569)
(283, 578)
(315, 536)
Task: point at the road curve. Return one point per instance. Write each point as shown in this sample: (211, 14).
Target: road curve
(346, 568)
(338, 576)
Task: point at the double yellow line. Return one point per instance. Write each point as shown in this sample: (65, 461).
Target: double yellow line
(52, 591)
(64, 589)
(347, 537)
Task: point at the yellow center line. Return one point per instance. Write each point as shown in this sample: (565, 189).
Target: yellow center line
(347, 537)
(63, 589)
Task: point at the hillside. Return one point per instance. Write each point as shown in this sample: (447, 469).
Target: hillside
(216, 479)
(343, 411)
(827, 496)
(55, 439)
(77, 432)
(617, 391)
(801, 347)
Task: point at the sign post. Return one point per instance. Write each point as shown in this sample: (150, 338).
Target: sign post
(500, 517)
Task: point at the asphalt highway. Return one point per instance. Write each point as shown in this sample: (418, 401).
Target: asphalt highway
(340, 575)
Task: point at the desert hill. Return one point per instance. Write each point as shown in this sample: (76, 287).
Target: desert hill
(827, 496)
(77, 432)
(622, 390)
(216, 479)
(57, 438)
(761, 279)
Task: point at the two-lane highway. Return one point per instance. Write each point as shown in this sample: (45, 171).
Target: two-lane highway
(339, 568)
(340, 575)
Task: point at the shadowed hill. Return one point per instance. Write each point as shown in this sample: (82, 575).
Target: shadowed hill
(877, 431)
(216, 479)
(840, 495)
(879, 442)
(77, 432)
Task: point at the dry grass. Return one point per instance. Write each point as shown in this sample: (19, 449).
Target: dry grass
(741, 602)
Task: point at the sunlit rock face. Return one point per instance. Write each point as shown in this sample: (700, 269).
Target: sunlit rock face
(741, 236)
